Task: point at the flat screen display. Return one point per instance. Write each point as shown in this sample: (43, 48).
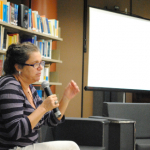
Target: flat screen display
(119, 51)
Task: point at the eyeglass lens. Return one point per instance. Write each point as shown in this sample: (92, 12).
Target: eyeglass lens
(36, 65)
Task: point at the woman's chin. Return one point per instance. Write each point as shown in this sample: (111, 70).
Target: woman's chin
(37, 80)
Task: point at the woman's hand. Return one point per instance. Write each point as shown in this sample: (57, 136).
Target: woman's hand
(71, 90)
(49, 103)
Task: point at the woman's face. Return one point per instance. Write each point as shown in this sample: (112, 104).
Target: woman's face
(29, 73)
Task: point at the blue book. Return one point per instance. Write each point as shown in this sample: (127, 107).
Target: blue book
(55, 24)
(28, 40)
(42, 30)
(38, 22)
(16, 14)
(40, 47)
(30, 22)
(35, 39)
(48, 50)
(48, 29)
(44, 54)
(39, 93)
(5, 11)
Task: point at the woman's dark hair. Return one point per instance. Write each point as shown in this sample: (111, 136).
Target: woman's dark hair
(18, 54)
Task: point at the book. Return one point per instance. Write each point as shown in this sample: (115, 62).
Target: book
(39, 93)
(53, 23)
(39, 44)
(42, 75)
(2, 36)
(33, 21)
(27, 39)
(43, 19)
(12, 14)
(16, 14)
(5, 11)
(1, 10)
(30, 19)
(42, 48)
(50, 26)
(49, 49)
(38, 24)
(12, 38)
(46, 72)
(8, 12)
(5, 39)
(47, 24)
(41, 23)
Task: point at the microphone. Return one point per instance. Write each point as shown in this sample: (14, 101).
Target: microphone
(45, 86)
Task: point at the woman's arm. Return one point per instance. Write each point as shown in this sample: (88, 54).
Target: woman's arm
(49, 103)
(70, 92)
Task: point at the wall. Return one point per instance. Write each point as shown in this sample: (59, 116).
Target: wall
(70, 16)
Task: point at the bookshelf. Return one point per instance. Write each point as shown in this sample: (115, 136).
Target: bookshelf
(23, 31)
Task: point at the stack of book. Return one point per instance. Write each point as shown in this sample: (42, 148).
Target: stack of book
(8, 12)
(39, 23)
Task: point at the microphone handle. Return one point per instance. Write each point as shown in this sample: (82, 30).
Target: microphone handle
(48, 91)
(56, 110)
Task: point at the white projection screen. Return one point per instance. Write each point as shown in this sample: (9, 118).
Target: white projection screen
(119, 52)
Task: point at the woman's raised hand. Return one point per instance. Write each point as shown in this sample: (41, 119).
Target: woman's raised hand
(71, 90)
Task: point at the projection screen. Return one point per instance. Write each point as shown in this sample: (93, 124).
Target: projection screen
(119, 51)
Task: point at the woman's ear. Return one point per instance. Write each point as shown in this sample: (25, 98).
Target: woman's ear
(17, 67)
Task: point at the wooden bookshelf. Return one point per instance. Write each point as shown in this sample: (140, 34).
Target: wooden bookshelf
(22, 31)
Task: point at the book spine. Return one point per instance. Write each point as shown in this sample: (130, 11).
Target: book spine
(30, 10)
(1, 10)
(4, 12)
(12, 13)
(42, 29)
(33, 22)
(48, 29)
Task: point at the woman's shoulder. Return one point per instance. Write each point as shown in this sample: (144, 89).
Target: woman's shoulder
(7, 80)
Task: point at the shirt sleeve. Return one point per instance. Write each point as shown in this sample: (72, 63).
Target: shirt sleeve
(16, 123)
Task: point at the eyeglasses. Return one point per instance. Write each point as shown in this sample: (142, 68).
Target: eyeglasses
(36, 65)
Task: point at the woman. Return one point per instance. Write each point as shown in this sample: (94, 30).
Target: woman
(22, 112)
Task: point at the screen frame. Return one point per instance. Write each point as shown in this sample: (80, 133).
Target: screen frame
(90, 88)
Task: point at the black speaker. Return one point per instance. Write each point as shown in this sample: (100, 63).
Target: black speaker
(23, 16)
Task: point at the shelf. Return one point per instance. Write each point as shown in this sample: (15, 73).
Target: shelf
(50, 83)
(2, 52)
(13, 28)
(44, 59)
(51, 60)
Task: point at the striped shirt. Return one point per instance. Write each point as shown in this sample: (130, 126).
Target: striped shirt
(15, 127)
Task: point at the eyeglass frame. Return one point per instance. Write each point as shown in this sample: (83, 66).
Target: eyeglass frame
(34, 64)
